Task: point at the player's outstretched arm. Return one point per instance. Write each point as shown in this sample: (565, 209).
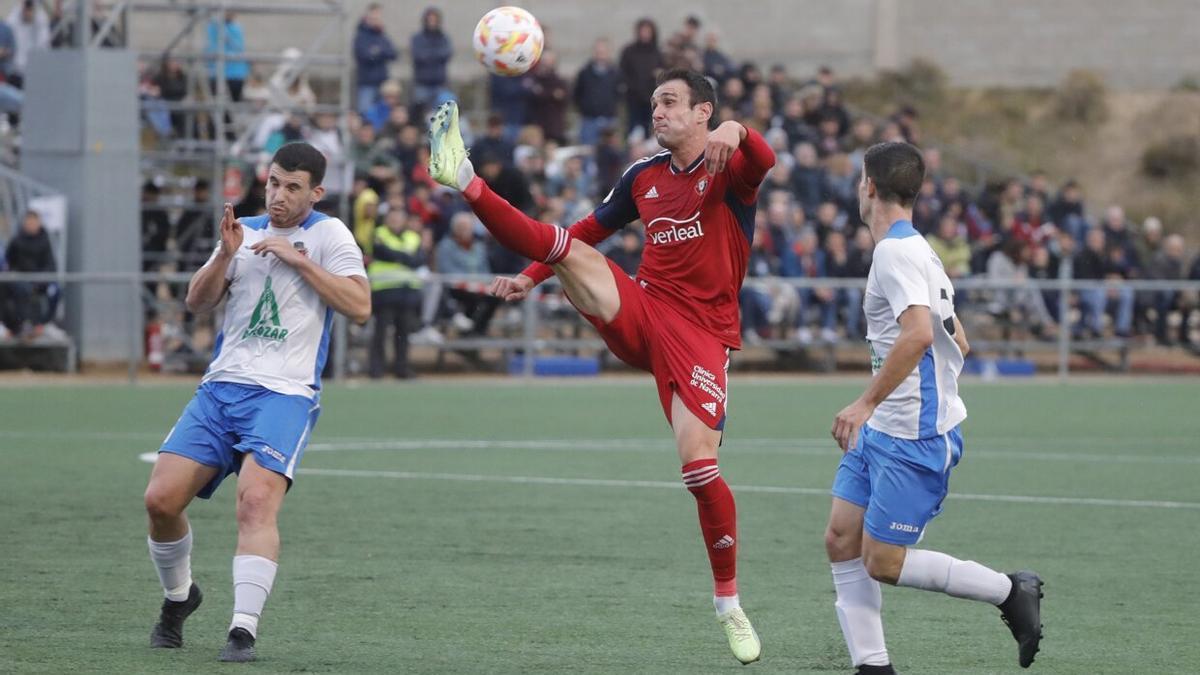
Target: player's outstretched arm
(750, 164)
(916, 336)
(210, 283)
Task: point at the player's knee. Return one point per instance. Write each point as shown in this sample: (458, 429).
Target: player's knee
(883, 566)
(161, 504)
(841, 543)
(255, 507)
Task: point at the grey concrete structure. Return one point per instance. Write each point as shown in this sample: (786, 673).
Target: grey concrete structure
(1146, 44)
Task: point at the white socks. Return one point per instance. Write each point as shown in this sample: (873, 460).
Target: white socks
(724, 603)
(933, 571)
(173, 560)
(466, 173)
(859, 603)
(253, 577)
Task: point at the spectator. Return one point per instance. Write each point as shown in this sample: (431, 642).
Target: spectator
(758, 295)
(380, 112)
(1118, 233)
(510, 98)
(549, 94)
(951, 247)
(493, 142)
(640, 64)
(29, 306)
(232, 46)
(194, 230)
(595, 94)
(399, 250)
(791, 121)
(628, 252)
(8, 49)
(372, 157)
(1028, 224)
(31, 30)
(156, 231)
(463, 253)
(431, 51)
(365, 201)
(327, 138)
(610, 162)
(1169, 264)
(1092, 263)
(173, 87)
(1044, 266)
(846, 301)
(808, 178)
(1009, 265)
(1067, 210)
(373, 51)
(717, 65)
(289, 83)
(1039, 186)
(678, 45)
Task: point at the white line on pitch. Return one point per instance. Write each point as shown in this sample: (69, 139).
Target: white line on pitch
(672, 485)
(816, 447)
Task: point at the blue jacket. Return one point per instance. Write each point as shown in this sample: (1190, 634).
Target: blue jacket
(7, 41)
(235, 43)
(431, 50)
(373, 50)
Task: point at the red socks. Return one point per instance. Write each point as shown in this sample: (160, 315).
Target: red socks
(718, 521)
(514, 230)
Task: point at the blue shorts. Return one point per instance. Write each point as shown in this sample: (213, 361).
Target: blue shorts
(901, 483)
(224, 421)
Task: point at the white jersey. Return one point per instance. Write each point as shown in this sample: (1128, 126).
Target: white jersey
(905, 272)
(276, 329)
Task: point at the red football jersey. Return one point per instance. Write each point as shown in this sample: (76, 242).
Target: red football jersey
(698, 231)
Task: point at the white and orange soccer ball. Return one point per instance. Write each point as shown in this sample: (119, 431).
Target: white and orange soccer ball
(508, 41)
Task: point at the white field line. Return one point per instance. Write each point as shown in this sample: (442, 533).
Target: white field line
(150, 457)
(815, 447)
(672, 485)
(984, 448)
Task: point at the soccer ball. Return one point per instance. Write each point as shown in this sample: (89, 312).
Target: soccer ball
(508, 41)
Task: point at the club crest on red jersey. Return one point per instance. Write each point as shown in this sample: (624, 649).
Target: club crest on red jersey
(703, 183)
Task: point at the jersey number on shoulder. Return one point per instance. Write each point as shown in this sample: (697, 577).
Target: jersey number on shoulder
(947, 310)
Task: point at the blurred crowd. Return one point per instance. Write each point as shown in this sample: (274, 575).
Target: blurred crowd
(553, 143)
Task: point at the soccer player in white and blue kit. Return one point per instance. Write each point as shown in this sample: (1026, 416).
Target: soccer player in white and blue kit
(901, 437)
(284, 275)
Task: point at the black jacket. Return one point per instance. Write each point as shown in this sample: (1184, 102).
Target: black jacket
(30, 253)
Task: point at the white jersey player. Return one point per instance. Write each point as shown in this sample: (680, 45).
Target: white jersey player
(284, 275)
(901, 437)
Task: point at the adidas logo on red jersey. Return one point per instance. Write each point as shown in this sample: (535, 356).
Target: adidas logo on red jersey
(652, 193)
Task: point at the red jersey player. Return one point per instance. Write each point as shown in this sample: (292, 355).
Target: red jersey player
(679, 318)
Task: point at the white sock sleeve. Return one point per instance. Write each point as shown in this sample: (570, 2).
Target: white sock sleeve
(173, 560)
(253, 577)
(933, 571)
(859, 604)
(466, 173)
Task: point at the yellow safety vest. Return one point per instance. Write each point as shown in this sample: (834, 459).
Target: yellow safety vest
(385, 275)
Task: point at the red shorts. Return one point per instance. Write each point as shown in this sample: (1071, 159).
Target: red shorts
(652, 335)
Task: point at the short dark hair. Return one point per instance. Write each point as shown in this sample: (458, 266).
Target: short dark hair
(300, 156)
(700, 89)
(897, 169)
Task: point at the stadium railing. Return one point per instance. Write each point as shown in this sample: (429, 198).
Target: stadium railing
(545, 324)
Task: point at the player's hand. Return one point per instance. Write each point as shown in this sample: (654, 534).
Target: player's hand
(510, 289)
(231, 232)
(722, 142)
(848, 423)
(281, 248)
